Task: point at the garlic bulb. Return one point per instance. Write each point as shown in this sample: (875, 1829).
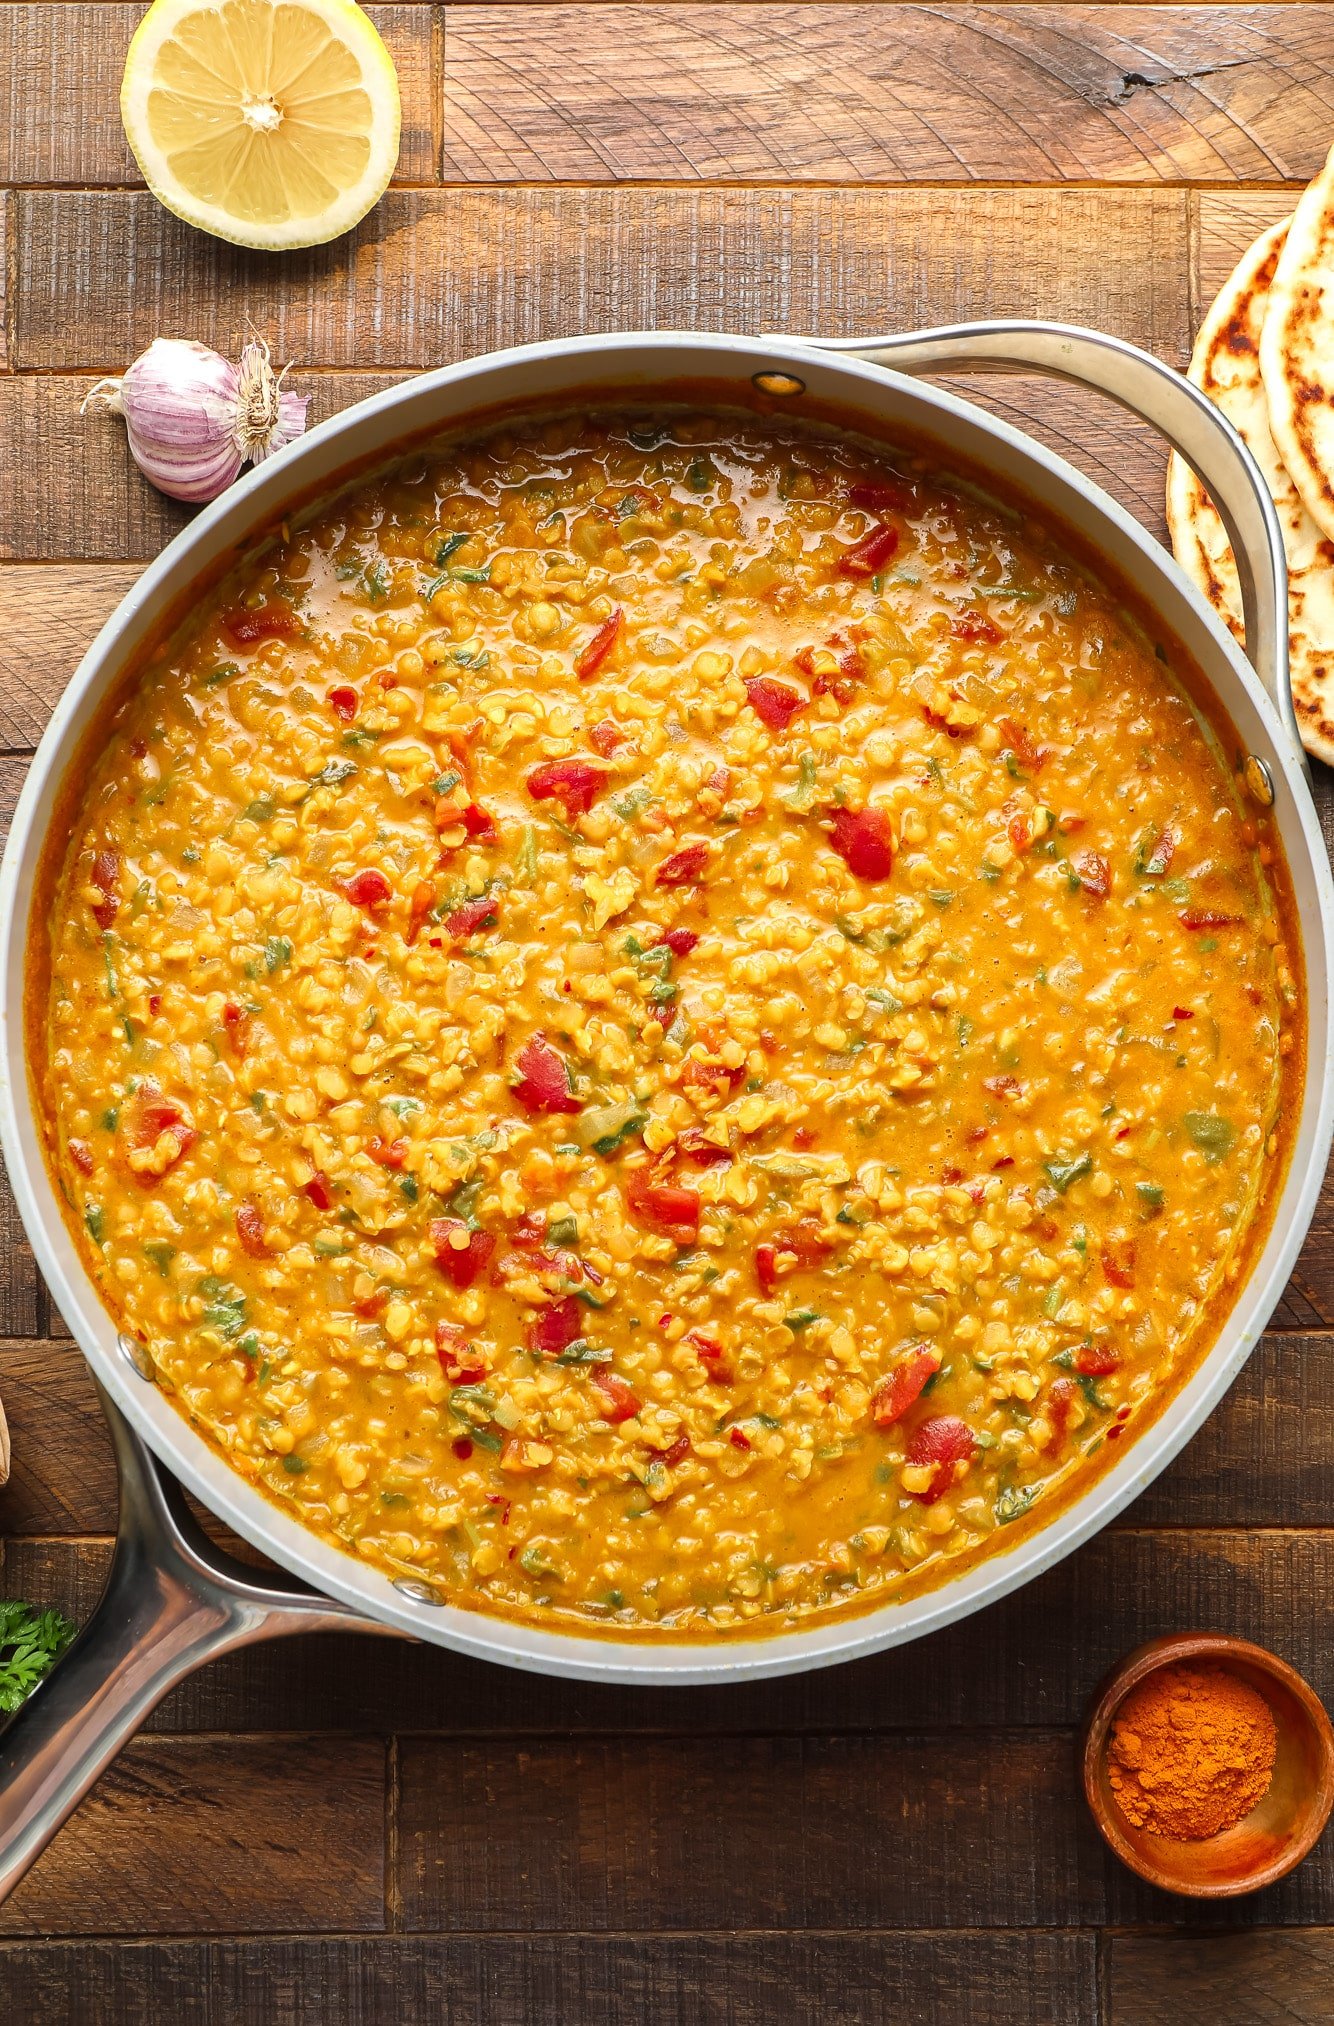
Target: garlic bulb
(193, 418)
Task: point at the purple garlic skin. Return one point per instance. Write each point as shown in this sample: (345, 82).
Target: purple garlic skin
(193, 418)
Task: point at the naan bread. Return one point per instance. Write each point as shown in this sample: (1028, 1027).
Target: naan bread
(1297, 350)
(1226, 365)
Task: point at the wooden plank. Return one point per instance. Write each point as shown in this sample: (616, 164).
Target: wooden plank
(665, 1834)
(60, 72)
(63, 1474)
(521, 1980)
(20, 1290)
(1269, 1977)
(58, 452)
(1227, 222)
(215, 1836)
(48, 616)
(49, 613)
(433, 276)
(1046, 1648)
(607, 1834)
(894, 94)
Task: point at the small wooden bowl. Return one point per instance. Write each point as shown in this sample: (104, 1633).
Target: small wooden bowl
(1282, 1827)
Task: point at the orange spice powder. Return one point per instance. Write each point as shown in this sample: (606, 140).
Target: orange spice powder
(1192, 1751)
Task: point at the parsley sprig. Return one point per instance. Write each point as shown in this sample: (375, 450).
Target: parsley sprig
(31, 1642)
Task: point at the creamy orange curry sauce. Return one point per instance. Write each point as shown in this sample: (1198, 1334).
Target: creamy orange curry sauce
(667, 1021)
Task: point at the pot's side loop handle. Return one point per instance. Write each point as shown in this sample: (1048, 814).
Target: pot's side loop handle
(172, 1601)
(1176, 409)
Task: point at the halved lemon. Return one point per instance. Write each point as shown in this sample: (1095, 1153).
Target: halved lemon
(271, 123)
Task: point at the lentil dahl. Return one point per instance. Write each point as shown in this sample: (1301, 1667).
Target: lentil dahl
(653, 1020)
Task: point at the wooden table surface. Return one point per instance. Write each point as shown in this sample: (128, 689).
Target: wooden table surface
(339, 1831)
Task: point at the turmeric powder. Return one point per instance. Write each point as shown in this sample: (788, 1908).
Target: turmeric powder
(1192, 1751)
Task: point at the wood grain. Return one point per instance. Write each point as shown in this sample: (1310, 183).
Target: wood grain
(208, 1836)
(539, 1980)
(49, 615)
(433, 276)
(69, 130)
(1226, 223)
(1045, 1649)
(901, 94)
(1265, 1978)
(605, 1834)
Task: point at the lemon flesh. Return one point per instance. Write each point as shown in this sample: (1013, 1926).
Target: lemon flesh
(271, 123)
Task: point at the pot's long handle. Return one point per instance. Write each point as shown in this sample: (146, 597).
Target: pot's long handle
(172, 1601)
(1176, 408)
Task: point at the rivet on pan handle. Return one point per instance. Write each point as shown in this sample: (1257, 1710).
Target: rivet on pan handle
(172, 1601)
(1176, 409)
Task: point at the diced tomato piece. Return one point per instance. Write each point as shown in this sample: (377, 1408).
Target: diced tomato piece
(1020, 833)
(775, 703)
(419, 907)
(318, 1190)
(590, 660)
(343, 702)
(975, 626)
(617, 1401)
(462, 1448)
(531, 1228)
(250, 1231)
(479, 913)
(871, 553)
(1020, 742)
(678, 1452)
(875, 497)
(459, 1263)
(900, 1389)
(605, 736)
(1096, 1361)
(574, 783)
(684, 867)
(1095, 874)
(545, 1084)
(1002, 1086)
(557, 1327)
(369, 1305)
(387, 1153)
(1060, 1405)
(679, 941)
(520, 1455)
(1182, 1013)
(150, 1115)
(478, 822)
(82, 1156)
(273, 621)
(451, 1347)
(864, 840)
(667, 1206)
(106, 877)
(369, 889)
(236, 1024)
(711, 1355)
(1208, 918)
(805, 1243)
(704, 1153)
(943, 1442)
(1118, 1259)
(719, 783)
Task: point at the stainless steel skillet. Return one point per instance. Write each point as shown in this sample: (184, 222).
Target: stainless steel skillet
(172, 1603)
